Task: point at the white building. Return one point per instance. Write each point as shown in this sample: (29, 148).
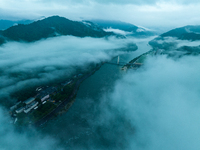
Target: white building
(45, 97)
(15, 106)
(30, 106)
(30, 100)
(19, 110)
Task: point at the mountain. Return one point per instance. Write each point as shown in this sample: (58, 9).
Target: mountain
(178, 42)
(184, 33)
(170, 39)
(5, 24)
(191, 49)
(127, 27)
(50, 27)
(116, 25)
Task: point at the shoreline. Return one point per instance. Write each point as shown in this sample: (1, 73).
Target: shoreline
(70, 99)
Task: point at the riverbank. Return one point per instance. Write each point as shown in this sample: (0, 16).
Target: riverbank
(69, 100)
(79, 125)
(137, 61)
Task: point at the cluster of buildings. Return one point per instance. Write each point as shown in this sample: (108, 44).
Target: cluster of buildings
(43, 95)
(29, 105)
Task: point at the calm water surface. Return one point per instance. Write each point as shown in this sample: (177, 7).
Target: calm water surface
(80, 127)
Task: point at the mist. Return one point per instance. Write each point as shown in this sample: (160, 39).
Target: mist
(172, 44)
(11, 139)
(160, 101)
(117, 31)
(154, 107)
(23, 65)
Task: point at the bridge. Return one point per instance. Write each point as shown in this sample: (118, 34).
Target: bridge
(118, 63)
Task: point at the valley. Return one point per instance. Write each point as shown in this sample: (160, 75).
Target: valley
(95, 82)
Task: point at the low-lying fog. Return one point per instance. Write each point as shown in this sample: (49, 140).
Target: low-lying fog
(154, 107)
(178, 43)
(161, 101)
(30, 64)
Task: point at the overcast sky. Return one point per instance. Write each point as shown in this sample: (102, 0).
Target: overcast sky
(147, 13)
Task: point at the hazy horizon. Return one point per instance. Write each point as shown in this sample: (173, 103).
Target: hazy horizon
(85, 96)
(151, 14)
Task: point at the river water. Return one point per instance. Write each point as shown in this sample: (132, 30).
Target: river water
(81, 127)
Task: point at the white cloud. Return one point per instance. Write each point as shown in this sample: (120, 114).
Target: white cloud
(148, 14)
(161, 101)
(117, 31)
(11, 139)
(25, 64)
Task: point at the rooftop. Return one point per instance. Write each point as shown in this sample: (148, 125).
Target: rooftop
(29, 100)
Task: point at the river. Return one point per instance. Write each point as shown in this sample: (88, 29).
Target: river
(81, 126)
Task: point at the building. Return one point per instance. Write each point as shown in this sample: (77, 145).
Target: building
(44, 102)
(30, 106)
(67, 82)
(44, 98)
(15, 106)
(19, 110)
(124, 68)
(30, 100)
(46, 91)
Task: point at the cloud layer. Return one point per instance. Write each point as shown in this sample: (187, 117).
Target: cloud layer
(151, 13)
(161, 100)
(155, 107)
(22, 64)
(12, 139)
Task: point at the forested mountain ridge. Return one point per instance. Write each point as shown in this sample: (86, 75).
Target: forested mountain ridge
(50, 27)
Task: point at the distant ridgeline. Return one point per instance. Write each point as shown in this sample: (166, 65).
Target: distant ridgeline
(184, 33)
(176, 43)
(132, 29)
(191, 33)
(170, 40)
(55, 26)
(50, 27)
(5, 24)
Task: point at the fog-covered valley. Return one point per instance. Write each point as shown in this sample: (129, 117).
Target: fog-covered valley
(96, 75)
(29, 65)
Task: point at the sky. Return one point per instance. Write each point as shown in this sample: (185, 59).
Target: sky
(147, 13)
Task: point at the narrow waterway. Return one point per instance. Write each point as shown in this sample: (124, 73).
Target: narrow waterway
(78, 127)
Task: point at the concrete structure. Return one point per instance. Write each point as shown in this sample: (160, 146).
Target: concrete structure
(15, 106)
(68, 82)
(124, 68)
(19, 110)
(44, 102)
(36, 107)
(30, 106)
(44, 98)
(30, 100)
(118, 60)
(15, 120)
(38, 89)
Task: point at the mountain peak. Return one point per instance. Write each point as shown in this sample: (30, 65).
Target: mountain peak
(189, 32)
(51, 27)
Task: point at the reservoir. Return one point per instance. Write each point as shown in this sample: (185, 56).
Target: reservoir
(81, 127)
